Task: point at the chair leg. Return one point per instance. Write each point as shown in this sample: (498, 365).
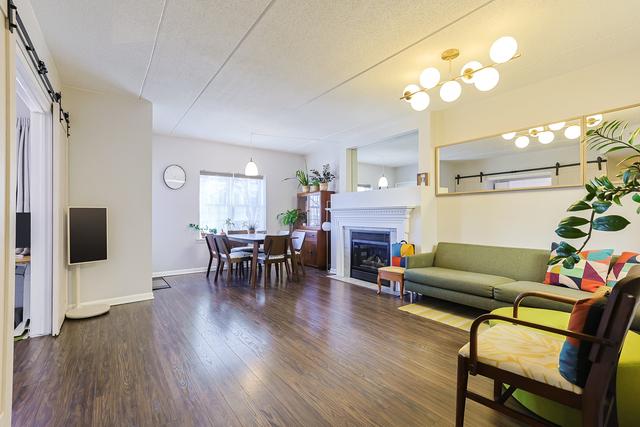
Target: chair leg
(219, 267)
(288, 268)
(229, 271)
(461, 393)
(209, 267)
(277, 272)
(497, 390)
(301, 258)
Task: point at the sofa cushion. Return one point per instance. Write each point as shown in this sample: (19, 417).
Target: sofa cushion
(509, 292)
(588, 274)
(517, 263)
(456, 280)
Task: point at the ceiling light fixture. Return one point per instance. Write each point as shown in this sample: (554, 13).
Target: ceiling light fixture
(508, 136)
(556, 126)
(522, 141)
(383, 182)
(251, 169)
(484, 78)
(572, 132)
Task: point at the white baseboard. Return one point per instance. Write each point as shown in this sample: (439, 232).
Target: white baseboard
(179, 272)
(122, 300)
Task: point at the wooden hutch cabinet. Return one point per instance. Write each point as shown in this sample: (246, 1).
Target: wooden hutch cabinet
(315, 242)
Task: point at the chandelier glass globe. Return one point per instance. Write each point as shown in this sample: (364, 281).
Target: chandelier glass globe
(556, 126)
(420, 101)
(508, 136)
(503, 49)
(382, 182)
(486, 79)
(450, 91)
(429, 78)
(473, 66)
(546, 137)
(595, 120)
(572, 132)
(522, 141)
(410, 89)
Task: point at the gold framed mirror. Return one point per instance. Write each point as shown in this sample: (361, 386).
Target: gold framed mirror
(545, 156)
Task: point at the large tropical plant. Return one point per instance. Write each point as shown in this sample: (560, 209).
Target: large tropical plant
(602, 193)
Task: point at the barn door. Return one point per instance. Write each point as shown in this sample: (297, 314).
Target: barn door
(60, 201)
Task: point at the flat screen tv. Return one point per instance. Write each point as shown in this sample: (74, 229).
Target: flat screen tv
(86, 235)
(23, 230)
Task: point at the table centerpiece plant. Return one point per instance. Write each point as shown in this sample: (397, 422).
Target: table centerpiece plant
(602, 193)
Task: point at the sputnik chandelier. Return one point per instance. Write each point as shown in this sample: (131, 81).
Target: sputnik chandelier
(483, 77)
(546, 135)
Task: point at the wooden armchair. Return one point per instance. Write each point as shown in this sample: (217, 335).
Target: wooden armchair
(514, 353)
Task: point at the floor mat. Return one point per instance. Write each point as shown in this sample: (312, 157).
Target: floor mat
(159, 283)
(456, 315)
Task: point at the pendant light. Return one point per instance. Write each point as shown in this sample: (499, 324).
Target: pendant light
(383, 182)
(251, 169)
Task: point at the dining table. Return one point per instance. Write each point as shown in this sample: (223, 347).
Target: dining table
(257, 239)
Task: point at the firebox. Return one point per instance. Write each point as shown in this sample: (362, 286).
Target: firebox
(370, 250)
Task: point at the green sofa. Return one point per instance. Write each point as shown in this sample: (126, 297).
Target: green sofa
(486, 277)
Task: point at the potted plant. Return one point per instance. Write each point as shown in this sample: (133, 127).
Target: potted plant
(291, 218)
(314, 184)
(303, 180)
(601, 192)
(203, 230)
(251, 226)
(324, 177)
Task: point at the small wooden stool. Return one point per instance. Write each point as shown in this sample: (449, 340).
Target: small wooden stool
(392, 274)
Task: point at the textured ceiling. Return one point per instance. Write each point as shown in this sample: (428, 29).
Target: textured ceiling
(304, 74)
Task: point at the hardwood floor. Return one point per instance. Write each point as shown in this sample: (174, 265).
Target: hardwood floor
(316, 352)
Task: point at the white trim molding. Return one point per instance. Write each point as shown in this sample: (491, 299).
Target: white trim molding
(395, 219)
(179, 272)
(122, 300)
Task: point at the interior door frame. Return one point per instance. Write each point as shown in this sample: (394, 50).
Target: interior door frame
(29, 89)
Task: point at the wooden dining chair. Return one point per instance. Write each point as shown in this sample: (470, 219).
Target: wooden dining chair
(231, 258)
(275, 254)
(512, 352)
(297, 240)
(213, 254)
(237, 246)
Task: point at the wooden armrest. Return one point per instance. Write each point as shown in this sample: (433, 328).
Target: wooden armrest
(544, 295)
(473, 334)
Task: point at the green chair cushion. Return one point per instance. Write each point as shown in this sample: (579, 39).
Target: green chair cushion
(456, 280)
(517, 263)
(509, 291)
(627, 380)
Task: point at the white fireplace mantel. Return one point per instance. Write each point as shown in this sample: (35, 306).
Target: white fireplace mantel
(394, 219)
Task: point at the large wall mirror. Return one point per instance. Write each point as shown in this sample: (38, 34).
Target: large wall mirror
(390, 163)
(600, 163)
(544, 156)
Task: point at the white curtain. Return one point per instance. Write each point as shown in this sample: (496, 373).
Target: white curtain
(23, 147)
(236, 197)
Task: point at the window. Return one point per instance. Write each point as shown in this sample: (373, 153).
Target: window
(234, 197)
(523, 183)
(364, 187)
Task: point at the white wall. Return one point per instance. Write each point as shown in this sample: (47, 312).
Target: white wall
(110, 165)
(175, 247)
(406, 174)
(333, 156)
(528, 218)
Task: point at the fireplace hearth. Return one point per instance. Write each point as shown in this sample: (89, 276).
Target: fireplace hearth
(370, 250)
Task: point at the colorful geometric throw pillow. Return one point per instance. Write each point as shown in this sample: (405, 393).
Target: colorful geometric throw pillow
(588, 274)
(622, 267)
(574, 357)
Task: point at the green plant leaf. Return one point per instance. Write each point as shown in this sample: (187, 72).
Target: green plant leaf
(569, 263)
(570, 232)
(610, 223)
(636, 197)
(580, 205)
(574, 221)
(555, 260)
(601, 207)
(565, 248)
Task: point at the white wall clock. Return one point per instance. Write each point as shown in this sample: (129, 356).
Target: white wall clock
(174, 177)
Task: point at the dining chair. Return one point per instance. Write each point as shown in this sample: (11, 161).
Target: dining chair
(238, 259)
(213, 253)
(514, 353)
(237, 246)
(297, 240)
(275, 253)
